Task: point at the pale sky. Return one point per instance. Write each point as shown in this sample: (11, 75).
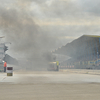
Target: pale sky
(59, 20)
(68, 18)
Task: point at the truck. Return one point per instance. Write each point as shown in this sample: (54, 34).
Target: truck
(53, 66)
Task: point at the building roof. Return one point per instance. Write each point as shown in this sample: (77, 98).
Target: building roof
(85, 45)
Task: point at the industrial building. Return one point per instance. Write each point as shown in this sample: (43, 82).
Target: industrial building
(84, 53)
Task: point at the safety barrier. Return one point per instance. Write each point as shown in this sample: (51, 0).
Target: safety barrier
(9, 71)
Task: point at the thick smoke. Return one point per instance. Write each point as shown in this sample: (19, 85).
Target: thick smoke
(28, 40)
(62, 18)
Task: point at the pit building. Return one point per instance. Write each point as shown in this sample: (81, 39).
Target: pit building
(84, 53)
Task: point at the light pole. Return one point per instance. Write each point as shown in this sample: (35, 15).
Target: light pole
(97, 58)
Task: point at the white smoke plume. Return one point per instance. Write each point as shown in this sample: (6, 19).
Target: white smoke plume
(28, 39)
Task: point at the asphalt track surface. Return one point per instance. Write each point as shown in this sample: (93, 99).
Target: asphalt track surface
(49, 86)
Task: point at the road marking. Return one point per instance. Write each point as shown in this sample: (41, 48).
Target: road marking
(3, 79)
